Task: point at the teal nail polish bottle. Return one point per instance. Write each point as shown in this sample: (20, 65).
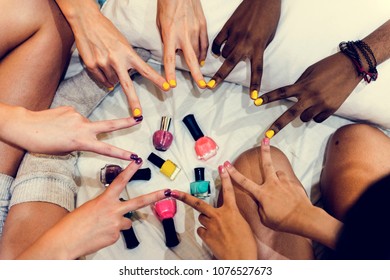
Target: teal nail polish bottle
(200, 188)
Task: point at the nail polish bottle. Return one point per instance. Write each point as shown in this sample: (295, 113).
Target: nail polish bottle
(165, 210)
(205, 147)
(129, 235)
(162, 138)
(167, 167)
(200, 188)
(110, 171)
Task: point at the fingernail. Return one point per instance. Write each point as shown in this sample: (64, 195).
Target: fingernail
(167, 192)
(138, 161)
(138, 119)
(221, 169)
(166, 86)
(266, 141)
(174, 194)
(227, 164)
(255, 95)
(202, 84)
(258, 101)
(202, 63)
(172, 83)
(270, 133)
(110, 88)
(137, 112)
(134, 156)
(211, 84)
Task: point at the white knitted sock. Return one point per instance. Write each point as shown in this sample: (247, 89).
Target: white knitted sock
(5, 195)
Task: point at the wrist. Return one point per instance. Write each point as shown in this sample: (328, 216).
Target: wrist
(74, 10)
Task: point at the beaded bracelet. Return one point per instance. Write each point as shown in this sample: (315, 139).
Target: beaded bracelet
(352, 49)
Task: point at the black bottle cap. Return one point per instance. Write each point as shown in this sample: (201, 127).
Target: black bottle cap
(199, 173)
(130, 238)
(156, 160)
(142, 174)
(171, 239)
(193, 126)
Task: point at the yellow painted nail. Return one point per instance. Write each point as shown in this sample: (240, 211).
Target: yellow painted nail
(202, 63)
(258, 101)
(172, 83)
(137, 112)
(270, 133)
(211, 84)
(110, 88)
(202, 84)
(166, 86)
(254, 94)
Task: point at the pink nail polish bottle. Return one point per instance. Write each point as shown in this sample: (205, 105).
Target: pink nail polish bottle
(165, 210)
(162, 138)
(205, 147)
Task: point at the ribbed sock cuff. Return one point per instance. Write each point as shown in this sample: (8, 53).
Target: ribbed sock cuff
(5, 194)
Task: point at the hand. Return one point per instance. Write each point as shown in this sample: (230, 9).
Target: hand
(95, 224)
(182, 26)
(320, 91)
(246, 35)
(223, 229)
(105, 52)
(60, 130)
(282, 202)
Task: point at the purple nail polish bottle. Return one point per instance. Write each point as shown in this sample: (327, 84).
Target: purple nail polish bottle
(162, 138)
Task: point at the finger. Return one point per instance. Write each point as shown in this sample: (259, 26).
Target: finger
(287, 117)
(108, 150)
(126, 224)
(193, 65)
(170, 60)
(203, 43)
(144, 200)
(201, 232)
(204, 220)
(112, 125)
(196, 203)
(227, 67)
(109, 73)
(119, 183)
(277, 94)
(99, 76)
(129, 90)
(266, 160)
(241, 180)
(229, 199)
(256, 74)
(323, 116)
(218, 41)
(308, 114)
(228, 48)
(149, 73)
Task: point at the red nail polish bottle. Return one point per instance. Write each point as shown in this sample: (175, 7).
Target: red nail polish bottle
(205, 147)
(165, 210)
(162, 138)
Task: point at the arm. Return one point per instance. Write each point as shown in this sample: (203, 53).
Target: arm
(94, 225)
(284, 205)
(59, 130)
(182, 26)
(325, 85)
(105, 51)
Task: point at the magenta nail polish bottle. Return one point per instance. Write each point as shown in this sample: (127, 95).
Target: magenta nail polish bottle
(162, 138)
(205, 147)
(165, 210)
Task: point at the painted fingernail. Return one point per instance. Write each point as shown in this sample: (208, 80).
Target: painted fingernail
(138, 119)
(258, 101)
(221, 169)
(270, 133)
(266, 141)
(211, 84)
(227, 164)
(172, 83)
(166, 86)
(255, 95)
(134, 156)
(138, 161)
(202, 63)
(202, 84)
(110, 88)
(167, 192)
(137, 112)
(174, 194)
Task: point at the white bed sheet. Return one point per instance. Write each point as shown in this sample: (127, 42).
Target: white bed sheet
(225, 114)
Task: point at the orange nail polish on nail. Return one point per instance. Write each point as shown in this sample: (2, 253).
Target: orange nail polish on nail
(270, 133)
(211, 84)
(166, 86)
(172, 83)
(137, 112)
(202, 84)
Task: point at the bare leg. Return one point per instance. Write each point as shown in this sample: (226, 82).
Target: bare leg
(271, 244)
(357, 156)
(35, 46)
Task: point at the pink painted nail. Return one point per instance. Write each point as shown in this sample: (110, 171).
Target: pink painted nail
(227, 164)
(221, 169)
(266, 141)
(174, 194)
